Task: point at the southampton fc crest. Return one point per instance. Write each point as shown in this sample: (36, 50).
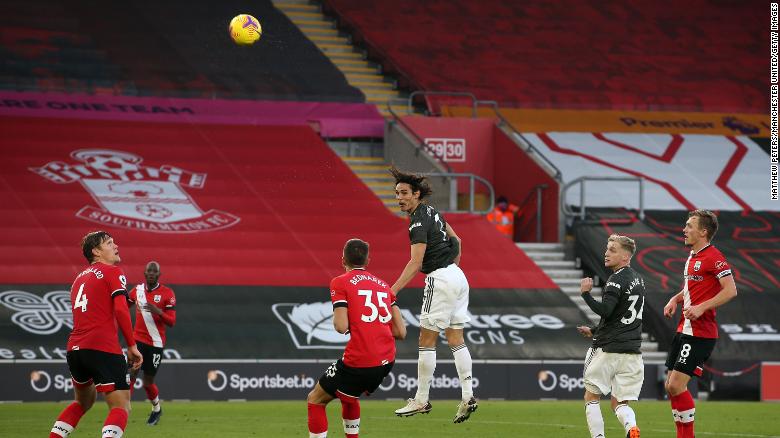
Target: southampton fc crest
(133, 196)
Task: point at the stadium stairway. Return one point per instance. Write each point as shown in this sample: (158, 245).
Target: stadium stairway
(550, 257)
(365, 160)
(360, 72)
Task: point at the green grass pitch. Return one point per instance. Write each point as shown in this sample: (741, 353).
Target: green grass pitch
(547, 419)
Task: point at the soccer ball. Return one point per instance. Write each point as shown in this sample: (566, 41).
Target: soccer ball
(245, 29)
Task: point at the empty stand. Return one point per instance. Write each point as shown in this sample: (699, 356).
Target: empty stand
(250, 205)
(703, 55)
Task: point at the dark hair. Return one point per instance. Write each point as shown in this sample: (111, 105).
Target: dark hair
(356, 253)
(502, 199)
(91, 241)
(707, 221)
(418, 183)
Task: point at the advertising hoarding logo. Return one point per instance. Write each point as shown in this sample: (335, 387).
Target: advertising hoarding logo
(40, 381)
(310, 325)
(217, 380)
(39, 315)
(134, 196)
(549, 381)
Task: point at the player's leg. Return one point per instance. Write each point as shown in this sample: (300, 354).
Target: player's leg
(690, 357)
(597, 377)
(460, 353)
(316, 401)
(350, 414)
(113, 380)
(85, 395)
(626, 386)
(151, 365)
(426, 365)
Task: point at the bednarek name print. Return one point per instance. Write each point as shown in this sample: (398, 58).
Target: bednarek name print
(133, 196)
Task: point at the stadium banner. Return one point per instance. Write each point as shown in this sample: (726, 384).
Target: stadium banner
(637, 122)
(292, 380)
(330, 119)
(749, 328)
(216, 322)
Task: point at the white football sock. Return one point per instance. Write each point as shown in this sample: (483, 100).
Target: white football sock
(595, 420)
(626, 416)
(426, 365)
(463, 365)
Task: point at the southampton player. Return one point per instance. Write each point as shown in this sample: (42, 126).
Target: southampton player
(363, 306)
(156, 310)
(435, 251)
(94, 355)
(613, 364)
(707, 284)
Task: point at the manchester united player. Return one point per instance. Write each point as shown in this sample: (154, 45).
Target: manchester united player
(707, 284)
(156, 309)
(94, 355)
(435, 251)
(363, 306)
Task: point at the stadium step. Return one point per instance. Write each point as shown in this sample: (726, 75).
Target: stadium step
(372, 170)
(322, 30)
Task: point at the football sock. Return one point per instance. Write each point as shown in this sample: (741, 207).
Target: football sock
(463, 365)
(350, 414)
(153, 394)
(595, 420)
(67, 421)
(686, 408)
(115, 423)
(626, 416)
(318, 421)
(426, 365)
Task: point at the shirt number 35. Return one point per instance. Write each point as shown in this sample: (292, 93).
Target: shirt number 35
(375, 311)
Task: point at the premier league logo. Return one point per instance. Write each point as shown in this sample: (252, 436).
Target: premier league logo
(133, 196)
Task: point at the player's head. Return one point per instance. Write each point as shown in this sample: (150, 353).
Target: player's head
(619, 251)
(502, 203)
(355, 254)
(410, 189)
(152, 273)
(99, 246)
(700, 226)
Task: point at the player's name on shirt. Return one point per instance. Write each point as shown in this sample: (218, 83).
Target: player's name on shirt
(367, 277)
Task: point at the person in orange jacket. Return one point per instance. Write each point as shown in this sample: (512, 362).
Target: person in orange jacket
(503, 216)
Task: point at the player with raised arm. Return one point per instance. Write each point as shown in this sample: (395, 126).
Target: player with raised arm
(156, 310)
(363, 306)
(94, 356)
(707, 284)
(614, 363)
(435, 251)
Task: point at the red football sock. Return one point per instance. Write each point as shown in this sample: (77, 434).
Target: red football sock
(318, 420)
(115, 423)
(151, 392)
(67, 421)
(350, 414)
(686, 408)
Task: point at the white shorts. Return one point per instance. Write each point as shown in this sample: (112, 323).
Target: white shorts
(620, 374)
(445, 299)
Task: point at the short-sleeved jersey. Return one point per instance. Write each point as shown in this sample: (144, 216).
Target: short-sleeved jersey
(703, 272)
(427, 225)
(92, 297)
(149, 328)
(368, 300)
(621, 331)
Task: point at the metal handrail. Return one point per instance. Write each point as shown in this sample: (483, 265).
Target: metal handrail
(472, 178)
(410, 99)
(537, 190)
(421, 146)
(558, 175)
(581, 180)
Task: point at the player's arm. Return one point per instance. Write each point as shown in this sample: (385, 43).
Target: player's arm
(608, 301)
(671, 306)
(412, 268)
(451, 233)
(340, 318)
(125, 324)
(727, 292)
(398, 325)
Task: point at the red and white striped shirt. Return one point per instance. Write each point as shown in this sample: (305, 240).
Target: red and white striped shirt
(702, 275)
(150, 328)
